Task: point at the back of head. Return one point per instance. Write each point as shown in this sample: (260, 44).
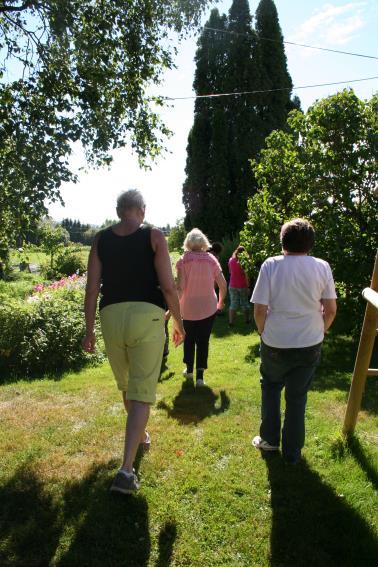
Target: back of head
(128, 200)
(216, 248)
(196, 241)
(297, 236)
(238, 251)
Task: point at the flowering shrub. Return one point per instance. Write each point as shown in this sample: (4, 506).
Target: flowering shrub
(43, 334)
(69, 283)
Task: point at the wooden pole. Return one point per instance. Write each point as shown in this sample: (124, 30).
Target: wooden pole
(361, 367)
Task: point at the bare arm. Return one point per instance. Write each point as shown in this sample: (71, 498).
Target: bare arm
(222, 284)
(180, 284)
(329, 312)
(91, 294)
(167, 283)
(259, 313)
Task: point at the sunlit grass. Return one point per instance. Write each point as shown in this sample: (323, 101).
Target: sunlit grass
(207, 497)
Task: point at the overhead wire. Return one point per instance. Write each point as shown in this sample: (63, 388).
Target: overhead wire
(296, 44)
(261, 91)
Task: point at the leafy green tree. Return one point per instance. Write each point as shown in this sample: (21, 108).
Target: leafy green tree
(176, 236)
(79, 71)
(324, 168)
(52, 238)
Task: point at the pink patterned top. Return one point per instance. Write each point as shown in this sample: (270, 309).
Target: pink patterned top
(197, 272)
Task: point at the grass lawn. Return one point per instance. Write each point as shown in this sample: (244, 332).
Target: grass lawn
(207, 498)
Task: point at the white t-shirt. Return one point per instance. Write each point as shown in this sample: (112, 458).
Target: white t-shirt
(292, 287)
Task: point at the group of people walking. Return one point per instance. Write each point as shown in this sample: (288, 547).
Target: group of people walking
(294, 304)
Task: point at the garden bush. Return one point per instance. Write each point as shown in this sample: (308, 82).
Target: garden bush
(43, 334)
(69, 262)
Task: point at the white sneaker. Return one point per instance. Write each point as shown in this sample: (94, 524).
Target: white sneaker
(200, 383)
(187, 374)
(264, 445)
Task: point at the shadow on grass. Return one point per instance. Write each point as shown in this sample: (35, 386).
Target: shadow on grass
(336, 368)
(311, 525)
(192, 405)
(253, 353)
(167, 538)
(7, 376)
(362, 459)
(91, 526)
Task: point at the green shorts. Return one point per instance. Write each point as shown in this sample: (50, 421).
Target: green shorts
(134, 336)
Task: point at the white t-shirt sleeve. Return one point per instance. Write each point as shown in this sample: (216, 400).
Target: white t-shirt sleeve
(329, 292)
(261, 290)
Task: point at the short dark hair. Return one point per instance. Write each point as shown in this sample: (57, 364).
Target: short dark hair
(216, 248)
(297, 236)
(238, 251)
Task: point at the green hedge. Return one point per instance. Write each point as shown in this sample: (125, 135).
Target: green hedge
(43, 335)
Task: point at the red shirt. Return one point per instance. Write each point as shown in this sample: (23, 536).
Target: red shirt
(237, 276)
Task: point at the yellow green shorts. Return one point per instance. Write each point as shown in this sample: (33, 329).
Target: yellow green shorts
(134, 336)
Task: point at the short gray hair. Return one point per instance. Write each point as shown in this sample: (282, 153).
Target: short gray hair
(196, 240)
(130, 199)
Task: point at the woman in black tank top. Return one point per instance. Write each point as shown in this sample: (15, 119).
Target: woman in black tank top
(129, 266)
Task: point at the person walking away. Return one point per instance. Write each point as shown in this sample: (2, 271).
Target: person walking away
(294, 305)
(238, 288)
(130, 266)
(197, 272)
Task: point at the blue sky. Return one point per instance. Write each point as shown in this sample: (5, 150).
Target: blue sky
(349, 26)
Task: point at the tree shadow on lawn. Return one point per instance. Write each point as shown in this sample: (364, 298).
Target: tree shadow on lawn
(336, 367)
(192, 405)
(107, 529)
(311, 524)
(355, 448)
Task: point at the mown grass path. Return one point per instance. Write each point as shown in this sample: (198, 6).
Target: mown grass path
(208, 498)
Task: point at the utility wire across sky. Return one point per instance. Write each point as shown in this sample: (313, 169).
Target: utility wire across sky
(214, 95)
(293, 43)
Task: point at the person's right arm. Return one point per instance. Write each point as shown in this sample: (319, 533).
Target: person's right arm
(167, 284)
(329, 312)
(91, 294)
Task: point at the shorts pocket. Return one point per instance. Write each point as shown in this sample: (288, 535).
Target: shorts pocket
(145, 327)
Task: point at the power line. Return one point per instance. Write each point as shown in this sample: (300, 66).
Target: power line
(214, 95)
(297, 44)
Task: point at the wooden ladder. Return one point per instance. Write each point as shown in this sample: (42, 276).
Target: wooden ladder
(365, 349)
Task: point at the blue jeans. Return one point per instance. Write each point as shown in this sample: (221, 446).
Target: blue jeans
(292, 369)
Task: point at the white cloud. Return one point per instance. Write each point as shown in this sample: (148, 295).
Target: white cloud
(331, 25)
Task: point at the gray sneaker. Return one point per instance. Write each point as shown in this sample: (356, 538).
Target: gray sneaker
(125, 483)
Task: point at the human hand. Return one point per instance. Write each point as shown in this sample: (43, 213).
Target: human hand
(220, 306)
(89, 343)
(178, 333)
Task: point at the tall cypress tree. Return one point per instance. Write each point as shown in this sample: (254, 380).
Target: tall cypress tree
(242, 74)
(274, 106)
(209, 62)
(229, 131)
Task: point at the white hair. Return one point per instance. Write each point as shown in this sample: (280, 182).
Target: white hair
(196, 240)
(130, 199)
